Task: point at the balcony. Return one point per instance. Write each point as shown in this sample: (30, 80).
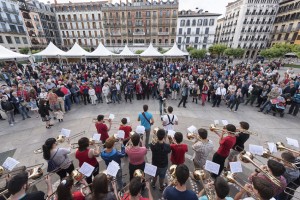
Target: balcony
(10, 10)
(115, 34)
(139, 33)
(163, 33)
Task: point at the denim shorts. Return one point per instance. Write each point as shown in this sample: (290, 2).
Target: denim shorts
(161, 172)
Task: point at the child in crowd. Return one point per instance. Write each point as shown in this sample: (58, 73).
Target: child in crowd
(59, 115)
(127, 129)
(92, 95)
(33, 107)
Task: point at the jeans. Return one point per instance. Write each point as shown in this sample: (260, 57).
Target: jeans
(115, 98)
(99, 97)
(147, 137)
(154, 94)
(266, 105)
(86, 98)
(236, 104)
(183, 100)
(160, 107)
(251, 99)
(10, 116)
(217, 100)
(294, 109)
(67, 103)
(22, 110)
(128, 96)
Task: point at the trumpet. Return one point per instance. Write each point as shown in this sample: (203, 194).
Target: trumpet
(34, 171)
(204, 178)
(267, 154)
(213, 128)
(95, 120)
(280, 146)
(247, 157)
(60, 139)
(230, 178)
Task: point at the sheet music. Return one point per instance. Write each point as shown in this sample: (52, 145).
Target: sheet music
(112, 168)
(292, 142)
(235, 167)
(140, 129)
(121, 134)
(212, 167)
(272, 147)
(128, 119)
(111, 116)
(256, 149)
(150, 169)
(10, 163)
(224, 122)
(216, 122)
(65, 132)
(171, 133)
(86, 169)
(192, 129)
(96, 136)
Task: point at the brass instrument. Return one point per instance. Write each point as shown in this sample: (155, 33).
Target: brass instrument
(76, 175)
(60, 139)
(205, 178)
(154, 137)
(139, 173)
(280, 146)
(172, 171)
(213, 128)
(267, 154)
(34, 172)
(193, 136)
(248, 157)
(91, 143)
(230, 178)
(95, 120)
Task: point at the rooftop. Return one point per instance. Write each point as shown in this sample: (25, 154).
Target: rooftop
(199, 13)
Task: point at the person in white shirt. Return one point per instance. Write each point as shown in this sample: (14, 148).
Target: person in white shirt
(92, 95)
(169, 120)
(260, 189)
(220, 94)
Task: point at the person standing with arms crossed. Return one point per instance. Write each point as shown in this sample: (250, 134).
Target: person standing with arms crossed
(146, 119)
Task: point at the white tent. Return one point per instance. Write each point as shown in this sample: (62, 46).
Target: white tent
(101, 51)
(151, 52)
(76, 51)
(126, 52)
(51, 51)
(6, 54)
(175, 52)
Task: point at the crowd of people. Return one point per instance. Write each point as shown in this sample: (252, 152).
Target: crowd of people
(50, 91)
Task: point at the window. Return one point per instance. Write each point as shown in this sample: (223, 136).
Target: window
(24, 40)
(196, 39)
(187, 39)
(180, 31)
(195, 46)
(206, 30)
(17, 39)
(199, 22)
(1, 39)
(148, 13)
(188, 22)
(8, 39)
(182, 22)
(197, 30)
(205, 40)
(279, 37)
(204, 47)
(211, 22)
(189, 31)
(168, 13)
(179, 40)
(205, 22)
(160, 13)
(194, 22)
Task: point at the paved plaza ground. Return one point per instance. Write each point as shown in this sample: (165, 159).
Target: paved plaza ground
(26, 136)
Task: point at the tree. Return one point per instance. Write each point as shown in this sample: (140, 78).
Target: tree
(139, 51)
(161, 50)
(87, 49)
(189, 49)
(24, 50)
(217, 49)
(198, 53)
(229, 52)
(35, 51)
(236, 53)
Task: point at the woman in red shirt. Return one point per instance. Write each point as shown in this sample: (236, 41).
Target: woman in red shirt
(85, 154)
(102, 128)
(135, 190)
(127, 129)
(178, 150)
(65, 188)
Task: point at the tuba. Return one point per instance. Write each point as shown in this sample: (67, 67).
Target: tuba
(247, 157)
(154, 137)
(204, 178)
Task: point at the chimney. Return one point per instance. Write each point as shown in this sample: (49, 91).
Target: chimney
(126, 2)
(120, 2)
(55, 2)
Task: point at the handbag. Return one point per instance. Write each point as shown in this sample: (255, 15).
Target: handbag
(51, 163)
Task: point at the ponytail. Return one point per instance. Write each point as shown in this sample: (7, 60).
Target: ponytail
(47, 147)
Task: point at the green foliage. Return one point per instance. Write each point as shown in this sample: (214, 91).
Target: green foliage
(161, 50)
(217, 49)
(24, 50)
(139, 51)
(280, 49)
(35, 51)
(236, 53)
(198, 53)
(87, 49)
(189, 49)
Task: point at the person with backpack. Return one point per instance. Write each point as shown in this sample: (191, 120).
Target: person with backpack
(146, 119)
(169, 120)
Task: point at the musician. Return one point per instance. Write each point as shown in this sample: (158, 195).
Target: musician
(291, 174)
(276, 169)
(226, 143)
(85, 154)
(260, 188)
(135, 190)
(241, 139)
(147, 120)
(178, 150)
(65, 190)
(296, 183)
(160, 151)
(220, 185)
(102, 128)
(109, 154)
(180, 192)
(126, 128)
(18, 185)
(59, 157)
(136, 155)
(202, 149)
(169, 120)
(100, 188)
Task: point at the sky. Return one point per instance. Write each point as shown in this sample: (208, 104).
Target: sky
(213, 6)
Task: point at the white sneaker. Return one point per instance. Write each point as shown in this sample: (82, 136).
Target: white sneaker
(11, 124)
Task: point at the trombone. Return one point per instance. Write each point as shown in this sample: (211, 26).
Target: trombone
(204, 177)
(267, 154)
(280, 146)
(229, 176)
(60, 139)
(34, 171)
(91, 143)
(247, 157)
(213, 128)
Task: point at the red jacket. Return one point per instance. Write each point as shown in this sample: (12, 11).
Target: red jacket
(23, 94)
(98, 89)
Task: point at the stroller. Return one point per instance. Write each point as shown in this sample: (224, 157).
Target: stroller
(278, 105)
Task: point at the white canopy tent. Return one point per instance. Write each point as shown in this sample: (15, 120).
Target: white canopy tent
(76, 51)
(151, 52)
(175, 52)
(126, 52)
(51, 51)
(7, 54)
(101, 51)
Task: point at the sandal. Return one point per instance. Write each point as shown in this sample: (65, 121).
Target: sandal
(48, 127)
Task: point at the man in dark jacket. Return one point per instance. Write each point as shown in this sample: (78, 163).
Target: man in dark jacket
(8, 109)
